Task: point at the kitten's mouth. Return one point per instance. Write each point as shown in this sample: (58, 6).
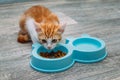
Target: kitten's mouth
(49, 48)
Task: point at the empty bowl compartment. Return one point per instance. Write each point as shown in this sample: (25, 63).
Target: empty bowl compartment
(89, 49)
(87, 44)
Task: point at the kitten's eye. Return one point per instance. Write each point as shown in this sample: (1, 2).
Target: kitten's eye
(44, 41)
(54, 40)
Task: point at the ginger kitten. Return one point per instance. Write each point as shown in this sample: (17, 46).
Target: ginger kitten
(39, 24)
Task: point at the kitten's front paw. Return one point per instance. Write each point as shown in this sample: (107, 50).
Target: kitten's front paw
(23, 38)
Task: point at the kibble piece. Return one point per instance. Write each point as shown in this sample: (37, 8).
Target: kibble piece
(58, 54)
(46, 55)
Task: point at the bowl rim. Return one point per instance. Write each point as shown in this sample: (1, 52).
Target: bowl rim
(94, 60)
(102, 44)
(49, 70)
(51, 59)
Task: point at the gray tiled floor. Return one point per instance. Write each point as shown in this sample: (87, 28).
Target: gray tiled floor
(99, 18)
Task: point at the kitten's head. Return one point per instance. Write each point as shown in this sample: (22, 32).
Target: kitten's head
(49, 34)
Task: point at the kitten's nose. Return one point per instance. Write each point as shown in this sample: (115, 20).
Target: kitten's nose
(49, 47)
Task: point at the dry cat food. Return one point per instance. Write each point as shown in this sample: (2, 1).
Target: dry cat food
(52, 54)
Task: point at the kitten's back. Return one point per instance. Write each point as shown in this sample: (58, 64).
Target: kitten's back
(40, 13)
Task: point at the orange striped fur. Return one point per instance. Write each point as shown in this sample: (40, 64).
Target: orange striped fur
(47, 25)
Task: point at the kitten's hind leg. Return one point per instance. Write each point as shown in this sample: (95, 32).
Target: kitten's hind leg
(23, 37)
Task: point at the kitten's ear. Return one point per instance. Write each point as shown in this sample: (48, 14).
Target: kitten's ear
(37, 26)
(62, 28)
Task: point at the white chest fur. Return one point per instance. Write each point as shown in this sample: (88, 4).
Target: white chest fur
(32, 30)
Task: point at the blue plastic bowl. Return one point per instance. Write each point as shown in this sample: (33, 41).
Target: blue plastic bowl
(50, 65)
(84, 49)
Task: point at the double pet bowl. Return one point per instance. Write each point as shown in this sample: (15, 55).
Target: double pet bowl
(84, 49)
